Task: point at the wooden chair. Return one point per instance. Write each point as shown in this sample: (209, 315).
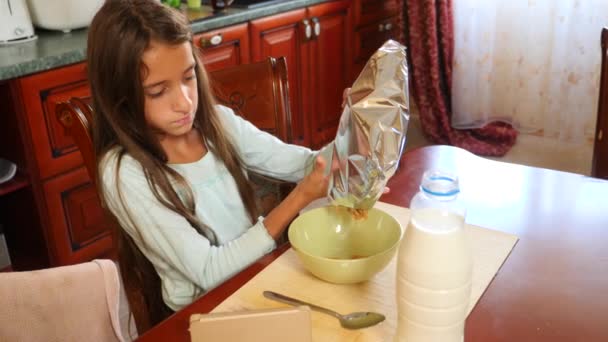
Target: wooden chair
(257, 91)
(599, 166)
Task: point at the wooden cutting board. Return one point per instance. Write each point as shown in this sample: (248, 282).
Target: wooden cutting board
(287, 276)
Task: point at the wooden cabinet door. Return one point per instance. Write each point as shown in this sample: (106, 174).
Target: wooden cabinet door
(282, 36)
(370, 11)
(330, 59)
(55, 152)
(77, 229)
(225, 47)
(374, 22)
(370, 38)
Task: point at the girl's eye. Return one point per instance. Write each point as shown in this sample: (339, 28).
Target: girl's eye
(156, 94)
(190, 77)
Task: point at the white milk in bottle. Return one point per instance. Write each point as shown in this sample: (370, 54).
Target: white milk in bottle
(434, 265)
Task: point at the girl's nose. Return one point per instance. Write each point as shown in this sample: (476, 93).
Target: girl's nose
(182, 102)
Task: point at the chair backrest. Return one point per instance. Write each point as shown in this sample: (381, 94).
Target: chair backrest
(76, 116)
(599, 166)
(70, 303)
(257, 91)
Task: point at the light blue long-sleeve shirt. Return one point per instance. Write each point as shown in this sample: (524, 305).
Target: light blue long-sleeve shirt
(187, 263)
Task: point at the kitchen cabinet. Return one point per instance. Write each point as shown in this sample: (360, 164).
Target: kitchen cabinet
(77, 228)
(60, 206)
(374, 22)
(224, 47)
(316, 42)
(283, 35)
(372, 11)
(55, 151)
(330, 67)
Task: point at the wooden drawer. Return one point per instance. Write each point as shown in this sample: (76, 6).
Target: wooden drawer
(369, 11)
(77, 227)
(225, 47)
(55, 152)
(369, 38)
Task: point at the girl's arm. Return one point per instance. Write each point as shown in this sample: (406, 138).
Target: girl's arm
(264, 153)
(313, 186)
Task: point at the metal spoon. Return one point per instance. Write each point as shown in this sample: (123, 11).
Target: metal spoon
(355, 320)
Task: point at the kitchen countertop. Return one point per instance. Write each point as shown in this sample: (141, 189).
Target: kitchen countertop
(54, 49)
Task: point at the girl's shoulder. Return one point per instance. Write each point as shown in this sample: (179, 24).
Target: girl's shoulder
(116, 162)
(225, 114)
(233, 124)
(223, 110)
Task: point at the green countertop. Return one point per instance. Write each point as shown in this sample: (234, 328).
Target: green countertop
(54, 49)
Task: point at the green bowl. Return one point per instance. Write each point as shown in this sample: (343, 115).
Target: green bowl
(336, 247)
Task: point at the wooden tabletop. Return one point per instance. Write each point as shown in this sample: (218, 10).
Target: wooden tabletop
(553, 285)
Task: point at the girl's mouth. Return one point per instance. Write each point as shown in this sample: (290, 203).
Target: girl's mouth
(185, 120)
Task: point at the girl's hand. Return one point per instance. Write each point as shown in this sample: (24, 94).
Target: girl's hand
(309, 189)
(315, 184)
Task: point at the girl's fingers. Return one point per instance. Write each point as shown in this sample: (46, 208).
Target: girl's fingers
(320, 164)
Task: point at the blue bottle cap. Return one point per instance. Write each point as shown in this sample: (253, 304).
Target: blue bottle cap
(440, 183)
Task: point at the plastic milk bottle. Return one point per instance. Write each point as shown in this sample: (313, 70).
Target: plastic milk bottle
(434, 265)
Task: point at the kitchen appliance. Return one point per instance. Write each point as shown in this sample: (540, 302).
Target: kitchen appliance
(63, 15)
(16, 23)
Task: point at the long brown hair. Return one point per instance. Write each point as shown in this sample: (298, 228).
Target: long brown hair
(118, 36)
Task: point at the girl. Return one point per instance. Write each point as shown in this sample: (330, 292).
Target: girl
(171, 161)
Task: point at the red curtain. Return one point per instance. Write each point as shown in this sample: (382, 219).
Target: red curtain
(429, 32)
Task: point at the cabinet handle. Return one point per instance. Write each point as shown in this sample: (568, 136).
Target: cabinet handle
(388, 27)
(600, 135)
(380, 27)
(215, 40)
(307, 29)
(317, 26)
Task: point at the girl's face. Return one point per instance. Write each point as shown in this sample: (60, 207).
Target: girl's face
(170, 88)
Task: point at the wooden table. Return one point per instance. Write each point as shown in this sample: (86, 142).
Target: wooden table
(553, 285)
